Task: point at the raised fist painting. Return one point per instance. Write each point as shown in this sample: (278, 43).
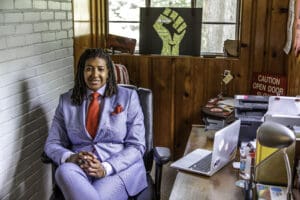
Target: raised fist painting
(171, 28)
(170, 31)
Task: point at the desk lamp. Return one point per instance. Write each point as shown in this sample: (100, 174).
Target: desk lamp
(275, 135)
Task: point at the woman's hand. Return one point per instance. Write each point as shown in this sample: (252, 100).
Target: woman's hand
(74, 158)
(91, 165)
(78, 158)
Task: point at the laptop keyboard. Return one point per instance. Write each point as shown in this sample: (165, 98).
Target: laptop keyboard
(203, 165)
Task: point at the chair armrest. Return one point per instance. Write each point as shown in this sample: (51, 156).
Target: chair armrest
(162, 155)
(45, 159)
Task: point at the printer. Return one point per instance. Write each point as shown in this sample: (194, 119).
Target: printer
(250, 109)
(284, 110)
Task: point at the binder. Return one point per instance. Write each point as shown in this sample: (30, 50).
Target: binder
(270, 166)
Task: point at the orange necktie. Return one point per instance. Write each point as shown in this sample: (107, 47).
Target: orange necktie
(92, 119)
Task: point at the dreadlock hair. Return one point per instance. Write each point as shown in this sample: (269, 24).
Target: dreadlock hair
(80, 87)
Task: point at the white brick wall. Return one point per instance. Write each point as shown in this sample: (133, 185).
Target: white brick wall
(24, 28)
(54, 25)
(39, 4)
(36, 65)
(7, 29)
(47, 15)
(1, 18)
(13, 17)
(32, 16)
(6, 4)
(53, 5)
(22, 4)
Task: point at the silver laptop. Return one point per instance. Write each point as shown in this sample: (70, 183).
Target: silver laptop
(208, 162)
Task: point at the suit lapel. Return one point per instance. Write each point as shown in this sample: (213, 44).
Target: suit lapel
(107, 106)
(83, 112)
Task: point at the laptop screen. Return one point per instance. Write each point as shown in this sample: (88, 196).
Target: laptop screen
(225, 144)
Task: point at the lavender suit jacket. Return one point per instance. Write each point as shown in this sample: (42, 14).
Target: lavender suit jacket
(120, 138)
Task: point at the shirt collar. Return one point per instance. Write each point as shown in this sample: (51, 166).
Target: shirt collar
(100, 91)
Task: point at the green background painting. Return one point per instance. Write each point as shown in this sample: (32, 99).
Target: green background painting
(170, 31)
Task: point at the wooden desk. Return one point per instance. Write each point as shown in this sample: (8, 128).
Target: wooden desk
(194, 187)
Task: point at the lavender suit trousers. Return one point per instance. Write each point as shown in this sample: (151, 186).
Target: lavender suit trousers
(76, 185)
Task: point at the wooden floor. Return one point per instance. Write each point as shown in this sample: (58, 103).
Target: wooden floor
(168, 178)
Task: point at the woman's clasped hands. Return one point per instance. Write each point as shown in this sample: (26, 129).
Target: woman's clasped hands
(89, 163)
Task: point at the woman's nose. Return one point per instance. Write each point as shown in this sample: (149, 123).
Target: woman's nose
(94, 72)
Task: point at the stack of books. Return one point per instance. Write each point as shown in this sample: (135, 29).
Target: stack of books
(218, 113)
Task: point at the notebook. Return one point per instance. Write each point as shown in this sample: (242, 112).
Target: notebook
(206, 162)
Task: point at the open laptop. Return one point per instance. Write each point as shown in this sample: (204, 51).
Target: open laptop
(206, 162)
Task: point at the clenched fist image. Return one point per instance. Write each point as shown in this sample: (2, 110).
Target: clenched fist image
(171, 28)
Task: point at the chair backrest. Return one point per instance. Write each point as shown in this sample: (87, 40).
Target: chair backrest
(121, 74)
(146, 101)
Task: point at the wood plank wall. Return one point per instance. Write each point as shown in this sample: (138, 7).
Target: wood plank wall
(269, 36)
(181, 85)
(293, 75)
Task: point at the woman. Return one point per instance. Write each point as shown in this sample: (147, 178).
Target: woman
(97, 135)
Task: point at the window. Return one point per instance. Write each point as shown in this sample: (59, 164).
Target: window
(220, 20)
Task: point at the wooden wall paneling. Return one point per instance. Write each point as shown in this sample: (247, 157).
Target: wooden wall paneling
(139, 68)
(199, 87)
(142, 70)
(94, 23)
(277, 59)
(200, 95)
(230, 88)
(267, 49)
(259, 35)
(143, 65)
(197, 80)
(80, 44)
(240, 82)
(163, 93)
(244, 63)
(183, 109)
(214, 76)
(269, 36)
(293, 75)
(239, 69)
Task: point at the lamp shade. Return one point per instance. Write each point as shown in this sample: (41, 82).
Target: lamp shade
(275, 135)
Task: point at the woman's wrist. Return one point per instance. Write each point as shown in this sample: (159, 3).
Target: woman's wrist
(72, 158)
(104, 172)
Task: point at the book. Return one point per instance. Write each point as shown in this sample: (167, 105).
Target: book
(270, 192)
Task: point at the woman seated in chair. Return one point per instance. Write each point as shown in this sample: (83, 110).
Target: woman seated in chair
(97, 135)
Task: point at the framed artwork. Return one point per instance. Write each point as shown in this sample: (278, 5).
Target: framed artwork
(170, 31)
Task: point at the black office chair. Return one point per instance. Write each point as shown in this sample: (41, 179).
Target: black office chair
(161, 155)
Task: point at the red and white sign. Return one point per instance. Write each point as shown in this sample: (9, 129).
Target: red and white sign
(268, 84)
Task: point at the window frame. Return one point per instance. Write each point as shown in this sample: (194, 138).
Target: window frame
(237, 24)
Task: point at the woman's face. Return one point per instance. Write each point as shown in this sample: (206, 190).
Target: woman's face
(95, 73)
